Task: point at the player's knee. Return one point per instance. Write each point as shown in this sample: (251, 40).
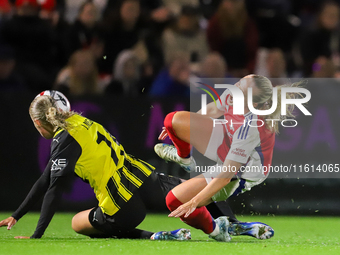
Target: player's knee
(176, 119)
(168, 120)
(171, 201)
(168, 201)
(181, 120)
(75, 224)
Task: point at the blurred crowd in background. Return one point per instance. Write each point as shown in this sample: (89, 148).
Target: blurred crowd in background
(154, 47)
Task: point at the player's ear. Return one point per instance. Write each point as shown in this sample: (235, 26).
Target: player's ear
(37, 122)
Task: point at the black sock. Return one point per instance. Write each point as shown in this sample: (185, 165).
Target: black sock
(136, 234)
(218, 209)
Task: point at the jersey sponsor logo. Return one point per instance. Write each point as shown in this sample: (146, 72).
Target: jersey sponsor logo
(58, 164)
(94, 216)
(239, 152)
(56, 139)
(87, 123)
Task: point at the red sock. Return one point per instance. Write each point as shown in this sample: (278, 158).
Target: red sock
(183, 148)
(200, 218)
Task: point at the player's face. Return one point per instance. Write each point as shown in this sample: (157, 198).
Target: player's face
(46, 131)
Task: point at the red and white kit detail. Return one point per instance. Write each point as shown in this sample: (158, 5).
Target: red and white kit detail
(252, 145)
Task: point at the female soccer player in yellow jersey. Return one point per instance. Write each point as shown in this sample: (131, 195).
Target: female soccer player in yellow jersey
(83, 147)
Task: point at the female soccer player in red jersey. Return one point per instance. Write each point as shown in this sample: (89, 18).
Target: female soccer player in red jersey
(237, 143)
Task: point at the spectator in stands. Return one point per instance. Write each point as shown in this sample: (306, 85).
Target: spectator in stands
(323, 40)
(130, 76)
(80, 77)
(233, 34)
(276, 23)
(276, 64)
(176, 6)
(32, 39)
(272, 64)
(173, 80)
(5, 10)
(84, 32)
(52, 13)
(10, 81)
(212, 70)
(155, 10)
(71, 8)
(209, 8)
(323, 68)
(122, 30)
(138, 24)
(126, 75)
(213, 66)
(187, 36)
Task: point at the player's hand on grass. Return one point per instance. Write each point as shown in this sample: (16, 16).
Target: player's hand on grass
(163, 135)
(185, 209)
(9, 222)
(22, 237)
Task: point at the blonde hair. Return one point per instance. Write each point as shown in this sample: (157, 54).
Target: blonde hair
(44, 108)
(264, 100)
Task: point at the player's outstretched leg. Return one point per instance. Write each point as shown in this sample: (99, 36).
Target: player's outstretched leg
(221, 233)
(178, 234)
(258, 230)
(169, 153)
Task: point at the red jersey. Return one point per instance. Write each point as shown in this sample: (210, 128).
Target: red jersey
(246, 140)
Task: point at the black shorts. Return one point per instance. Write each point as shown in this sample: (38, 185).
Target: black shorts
(155, 189)
(167, 183)
(125, 220)
(150, 195)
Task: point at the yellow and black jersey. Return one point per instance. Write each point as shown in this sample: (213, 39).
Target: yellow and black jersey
(90, 152)
(93, 154)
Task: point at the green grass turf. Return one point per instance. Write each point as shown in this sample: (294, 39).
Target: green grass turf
(293, 235)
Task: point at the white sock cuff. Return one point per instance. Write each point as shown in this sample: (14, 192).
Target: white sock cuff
(216, 231)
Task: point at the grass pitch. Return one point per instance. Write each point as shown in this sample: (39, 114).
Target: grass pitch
(293, 235)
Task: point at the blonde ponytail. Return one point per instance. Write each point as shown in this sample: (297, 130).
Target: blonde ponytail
(44, 109)
(264, 100)
(51, 113)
